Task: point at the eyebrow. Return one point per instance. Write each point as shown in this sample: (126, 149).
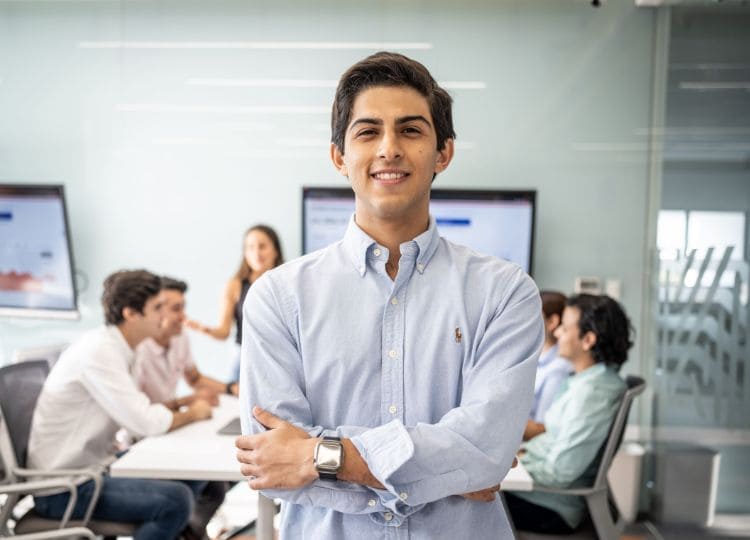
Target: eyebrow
(400, 120)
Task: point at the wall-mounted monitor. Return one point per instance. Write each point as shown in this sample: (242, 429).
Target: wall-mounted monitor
(36, 259)
(495, 222)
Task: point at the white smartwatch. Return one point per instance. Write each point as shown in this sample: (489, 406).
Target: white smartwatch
(329, 455)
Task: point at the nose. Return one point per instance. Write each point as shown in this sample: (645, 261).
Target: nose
(390, 145)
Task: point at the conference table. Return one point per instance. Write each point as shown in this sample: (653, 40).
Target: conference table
(198, 452)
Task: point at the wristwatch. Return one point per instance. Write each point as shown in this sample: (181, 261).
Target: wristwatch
(329, 455)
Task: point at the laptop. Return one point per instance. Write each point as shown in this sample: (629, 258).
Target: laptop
(233, 427)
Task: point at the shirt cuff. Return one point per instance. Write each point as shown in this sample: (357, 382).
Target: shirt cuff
(385, 449)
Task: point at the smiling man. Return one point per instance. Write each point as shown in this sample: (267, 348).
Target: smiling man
(386, 379)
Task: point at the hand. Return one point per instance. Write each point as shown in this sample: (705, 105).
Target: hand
(483, 495)
(280, 458)
(208, 395)
(199, 409)
(194, 325)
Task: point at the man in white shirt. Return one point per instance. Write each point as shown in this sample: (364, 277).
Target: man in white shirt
(90, 394)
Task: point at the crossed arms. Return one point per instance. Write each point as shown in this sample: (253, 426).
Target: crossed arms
(392, 466)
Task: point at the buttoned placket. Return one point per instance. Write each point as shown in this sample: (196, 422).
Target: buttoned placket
(392, 359)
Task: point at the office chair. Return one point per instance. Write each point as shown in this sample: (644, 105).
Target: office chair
(20, 386)
(598, 496)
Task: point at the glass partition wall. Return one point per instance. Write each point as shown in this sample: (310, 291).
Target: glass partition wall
(701, 360)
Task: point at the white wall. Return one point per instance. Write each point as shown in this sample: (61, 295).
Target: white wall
(565, 111)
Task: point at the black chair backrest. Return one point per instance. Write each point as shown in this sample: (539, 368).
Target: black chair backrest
(20, 386)
(635, 385)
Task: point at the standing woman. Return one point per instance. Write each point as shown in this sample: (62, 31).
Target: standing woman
(261, 251)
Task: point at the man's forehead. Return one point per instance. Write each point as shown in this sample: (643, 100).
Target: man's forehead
(172, 296)
(389, 103)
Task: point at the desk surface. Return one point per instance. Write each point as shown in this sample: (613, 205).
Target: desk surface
(198, 452)
(192, 452)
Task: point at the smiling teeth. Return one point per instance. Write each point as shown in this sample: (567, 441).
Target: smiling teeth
(389, 176)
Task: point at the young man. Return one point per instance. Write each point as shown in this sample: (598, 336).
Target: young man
(594, 337)
(90, 394)
(161, 361)
(412, 356)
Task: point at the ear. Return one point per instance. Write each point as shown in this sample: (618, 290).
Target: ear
(337, 158)
(588, 340)
(128, 313)
(444, 156)
(552, 322)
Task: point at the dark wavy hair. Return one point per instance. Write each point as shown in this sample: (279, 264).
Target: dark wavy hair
(172, 284)
(243, 272)
(128, 289)
(390, 69)
(606, 318)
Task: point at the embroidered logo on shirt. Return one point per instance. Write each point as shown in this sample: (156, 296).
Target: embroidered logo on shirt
(459, 335)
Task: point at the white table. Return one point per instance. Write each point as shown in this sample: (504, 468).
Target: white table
(195, 452)
(198, 452)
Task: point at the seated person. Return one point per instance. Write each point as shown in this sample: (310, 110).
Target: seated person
(90, 394)
(595, 337)
(160, 362)
(552, 369)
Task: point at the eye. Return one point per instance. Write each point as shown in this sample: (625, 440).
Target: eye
(411, 130)
(367, 132)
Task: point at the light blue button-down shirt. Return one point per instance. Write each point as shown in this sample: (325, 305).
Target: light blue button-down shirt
(576, 426)
(551, 373)
(431, 375)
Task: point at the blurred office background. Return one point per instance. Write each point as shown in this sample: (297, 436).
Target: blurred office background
(174, 125)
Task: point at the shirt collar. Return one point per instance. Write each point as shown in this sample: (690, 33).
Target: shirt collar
(119, 339)
(593, 371)
(358, 242)
(547, 357)
(154, 346)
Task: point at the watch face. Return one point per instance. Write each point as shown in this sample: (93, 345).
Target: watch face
(328, 456)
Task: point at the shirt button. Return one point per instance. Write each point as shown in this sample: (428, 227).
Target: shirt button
(393, 409)
(371, 502)
(387, 516)
(403, 495)
(376, 252)
(394, 301)
(392, 354)
(420, 267)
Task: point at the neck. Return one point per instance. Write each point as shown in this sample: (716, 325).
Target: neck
(548, 344)
(583, 362)
(391, 233)
(163, 340)
(131, 337)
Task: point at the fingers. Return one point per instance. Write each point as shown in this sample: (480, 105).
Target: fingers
(483, 495)
(266, 418)
(246, 442)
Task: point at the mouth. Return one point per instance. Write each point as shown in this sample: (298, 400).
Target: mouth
(389, 176)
